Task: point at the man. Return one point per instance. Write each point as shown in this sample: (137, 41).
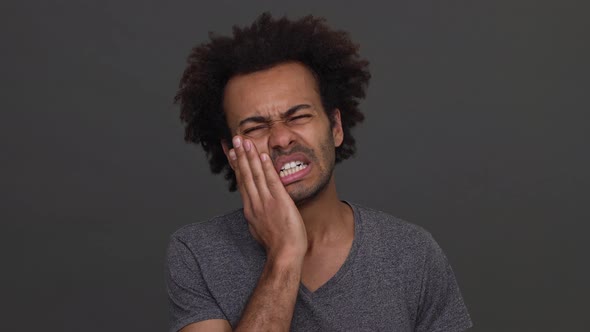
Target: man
(273, 108)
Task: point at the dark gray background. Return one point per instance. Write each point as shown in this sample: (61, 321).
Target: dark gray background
(477, 129)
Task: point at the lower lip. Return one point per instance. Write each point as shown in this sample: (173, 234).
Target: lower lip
(296, 176)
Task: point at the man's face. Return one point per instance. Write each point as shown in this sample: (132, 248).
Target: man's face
(281, 111)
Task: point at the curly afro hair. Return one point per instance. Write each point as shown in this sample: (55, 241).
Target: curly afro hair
(331, 56)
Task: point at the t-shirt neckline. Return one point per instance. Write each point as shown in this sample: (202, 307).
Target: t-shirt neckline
(331, 284)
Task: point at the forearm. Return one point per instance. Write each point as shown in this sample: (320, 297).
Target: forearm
(271, 305)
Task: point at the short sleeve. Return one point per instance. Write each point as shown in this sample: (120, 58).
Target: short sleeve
(441, 305)
(189, 298)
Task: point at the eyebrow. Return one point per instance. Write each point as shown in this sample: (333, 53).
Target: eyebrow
(286, 114)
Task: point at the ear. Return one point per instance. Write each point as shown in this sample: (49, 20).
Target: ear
(226, 149)
(337, 132)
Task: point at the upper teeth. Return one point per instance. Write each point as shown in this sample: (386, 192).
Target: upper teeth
(292, 164)
(292, 167)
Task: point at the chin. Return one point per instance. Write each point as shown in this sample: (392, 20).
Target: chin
(301, 194)
(311, 187)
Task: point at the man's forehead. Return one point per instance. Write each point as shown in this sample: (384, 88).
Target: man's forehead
(269, 93)
(286, 78)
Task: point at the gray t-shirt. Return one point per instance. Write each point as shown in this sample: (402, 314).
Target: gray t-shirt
(395, 278)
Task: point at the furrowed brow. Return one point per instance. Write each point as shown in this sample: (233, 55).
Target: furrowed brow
(255, 119)
(294, 110)
(265, 119)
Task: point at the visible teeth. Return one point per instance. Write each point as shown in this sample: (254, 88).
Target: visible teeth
(292, 164)
(292, 170)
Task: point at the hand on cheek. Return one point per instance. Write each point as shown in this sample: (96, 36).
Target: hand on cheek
(270, 211)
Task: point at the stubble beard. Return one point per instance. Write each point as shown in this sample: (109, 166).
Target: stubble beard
(301, 194)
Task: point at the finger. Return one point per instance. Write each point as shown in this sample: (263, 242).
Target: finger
(256, 167)
(245, 173)
(229, 153)
(233, 163)
(273, 181)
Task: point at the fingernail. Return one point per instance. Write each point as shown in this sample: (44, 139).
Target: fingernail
(247, 145)
(237, 142)
(264, 157)
(232, 154)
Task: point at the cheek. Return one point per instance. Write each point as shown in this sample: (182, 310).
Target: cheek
(307, 135)
(261, 144)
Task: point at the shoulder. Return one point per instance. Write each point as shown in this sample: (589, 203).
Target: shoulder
(383, 224)
(388, 236)
(214, 232)
(412, 253)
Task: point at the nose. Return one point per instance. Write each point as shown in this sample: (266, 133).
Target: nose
(281, 136)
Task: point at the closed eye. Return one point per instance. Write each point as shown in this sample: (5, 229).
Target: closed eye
(253, 129)
(300, 118)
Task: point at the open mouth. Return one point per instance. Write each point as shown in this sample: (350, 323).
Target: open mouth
(292, 168)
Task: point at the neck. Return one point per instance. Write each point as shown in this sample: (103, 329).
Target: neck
(326, 218)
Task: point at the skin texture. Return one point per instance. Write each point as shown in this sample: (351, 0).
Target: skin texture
(306, 230)
(277, 91)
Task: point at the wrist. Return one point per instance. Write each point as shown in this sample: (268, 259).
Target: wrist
(286, 259)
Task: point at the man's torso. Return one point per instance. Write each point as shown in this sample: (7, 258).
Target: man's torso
(381, 284)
